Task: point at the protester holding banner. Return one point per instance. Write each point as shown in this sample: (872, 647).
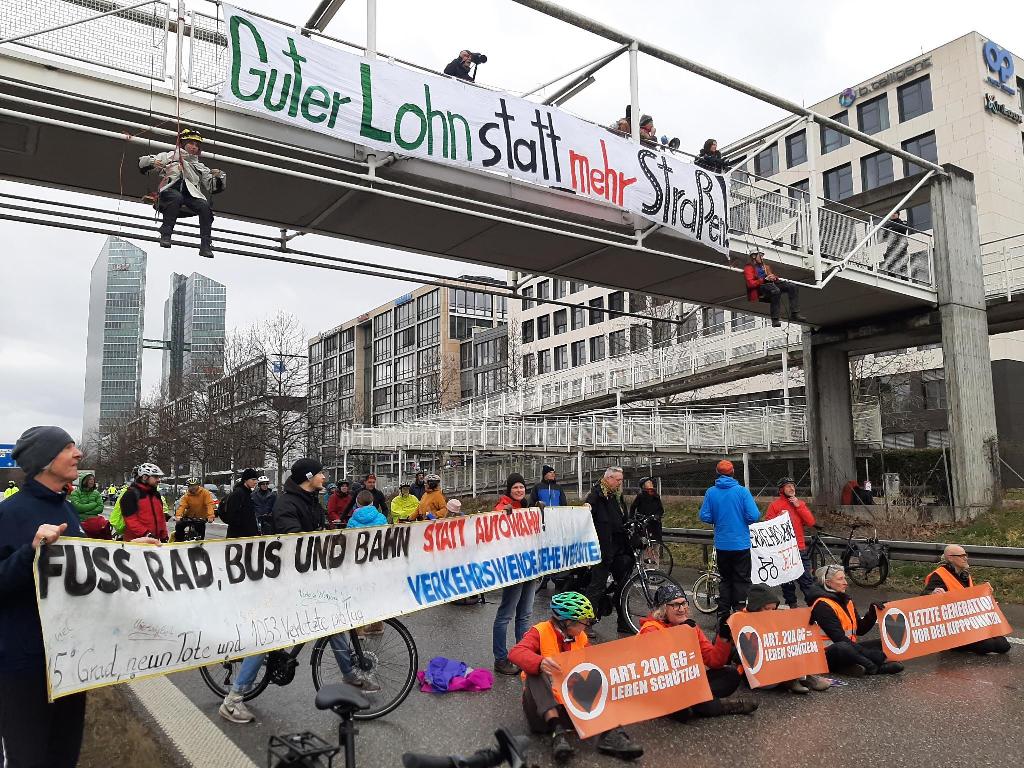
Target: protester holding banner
(671, 608)
(954, 575)
(834, 612)
(571, 615)
(800, 515)
(730, 507)
(608, 509)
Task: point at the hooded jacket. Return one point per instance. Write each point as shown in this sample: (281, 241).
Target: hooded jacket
(196, 506)
(403, 508)
(263, 502)
(143, 511)
(417, 489)
(86, 503)
(433, 503)
(238, 512)
(296, 510)
(547, 493)
(609, 515)
(729, 507)
(339, 507)
(799, 514)
(366, 517)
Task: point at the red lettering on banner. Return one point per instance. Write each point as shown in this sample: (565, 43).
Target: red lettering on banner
(523, 522)
(444, 534)
(608, 183)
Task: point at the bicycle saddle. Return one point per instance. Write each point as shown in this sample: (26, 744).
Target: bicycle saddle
(341, 698)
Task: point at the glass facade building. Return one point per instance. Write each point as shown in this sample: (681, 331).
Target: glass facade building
(194, 326)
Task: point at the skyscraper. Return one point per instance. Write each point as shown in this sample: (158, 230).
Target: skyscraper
(194, 315)
(113, 367)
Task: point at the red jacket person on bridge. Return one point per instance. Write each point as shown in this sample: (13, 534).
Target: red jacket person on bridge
(765, 285)
(186, 186)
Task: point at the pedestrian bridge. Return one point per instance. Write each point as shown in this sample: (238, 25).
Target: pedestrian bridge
(76, 113)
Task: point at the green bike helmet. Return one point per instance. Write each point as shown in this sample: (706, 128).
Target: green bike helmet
(572, 606)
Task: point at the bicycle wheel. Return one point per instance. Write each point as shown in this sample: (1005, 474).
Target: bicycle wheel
(637, 599)
(866, 577)
(219, 678)
(390, 659)
(705, 593)
(817, 558)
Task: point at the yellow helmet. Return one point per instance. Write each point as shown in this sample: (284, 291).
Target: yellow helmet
(188, 134)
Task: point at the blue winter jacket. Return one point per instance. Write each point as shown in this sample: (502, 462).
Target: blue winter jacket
(366, 517)
(729, 507)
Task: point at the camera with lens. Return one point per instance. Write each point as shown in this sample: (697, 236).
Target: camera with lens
(478, 58)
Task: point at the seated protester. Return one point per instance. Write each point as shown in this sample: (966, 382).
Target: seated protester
(571, 614)
(647, 130)
(710, 159)
(621, 126)
(339, 506)
(953, 575)
(432, 505)
(366, 515)
(403, 506)
(834, 612)
(195, 508)
(760, 597)
(671, 608)
(185, 183)
(765, 285)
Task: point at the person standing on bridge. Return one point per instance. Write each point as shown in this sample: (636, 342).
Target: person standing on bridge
(953, 575)
(186, 186)
(765, 285)
(730, 508)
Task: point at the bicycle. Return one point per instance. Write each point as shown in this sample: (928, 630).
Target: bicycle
(637, 598)
(389, 658)
(705, 587)
(866, 561)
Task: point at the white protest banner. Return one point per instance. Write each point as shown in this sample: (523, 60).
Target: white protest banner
(114, 612)
(774, 554)
(278, 73)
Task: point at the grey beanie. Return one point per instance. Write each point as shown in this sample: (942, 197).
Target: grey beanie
(38, 446)
(760, 595)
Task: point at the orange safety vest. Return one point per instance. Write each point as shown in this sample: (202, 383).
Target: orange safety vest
(847, 618)
(550, 646)
(952, 582)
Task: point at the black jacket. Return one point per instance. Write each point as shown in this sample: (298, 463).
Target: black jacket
(297, 510)
(646, 505)
(899, 226)
(263, 502)
(418, 489)
(609, 514)
(238, 512)
(712, 161)
(456, 69)
(823, 615)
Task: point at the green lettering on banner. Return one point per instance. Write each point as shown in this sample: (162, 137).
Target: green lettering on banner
(286, 82)
(236, 59)
(366, 126)
(452, 117)
(293, 54)
(317, 96)
(403, 110)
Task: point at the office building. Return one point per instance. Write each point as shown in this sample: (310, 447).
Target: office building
(113, 367)
(194, 326)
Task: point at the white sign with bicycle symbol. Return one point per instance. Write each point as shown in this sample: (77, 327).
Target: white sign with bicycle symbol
(774, 554)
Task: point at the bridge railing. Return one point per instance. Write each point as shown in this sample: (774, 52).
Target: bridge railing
(1003, 271)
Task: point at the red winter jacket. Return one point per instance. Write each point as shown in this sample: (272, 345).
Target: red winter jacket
(336, 508)
(507, 501)
(143, 511)
(753, 281)
(714, 656)
(799, 514)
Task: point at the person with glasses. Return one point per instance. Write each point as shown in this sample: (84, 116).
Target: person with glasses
(952, 575)
(571, 615)
(671, 608)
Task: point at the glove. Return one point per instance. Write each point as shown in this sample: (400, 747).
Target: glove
(725, 631)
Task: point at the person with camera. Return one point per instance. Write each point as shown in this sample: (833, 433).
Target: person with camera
(464, 67)
(799, 515)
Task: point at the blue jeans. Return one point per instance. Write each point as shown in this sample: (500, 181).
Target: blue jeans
(806, 581)
(251, 665)
(516, 600)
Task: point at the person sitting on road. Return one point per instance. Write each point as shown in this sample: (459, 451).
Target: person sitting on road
(263, 499)
(953, 575)
(710, 158)
(761, 597)
(571, 614)
(765, 285)
(142, 507)
(671, 608)
(365, 514)
(404, 505)
(195, 509)
(432, 505)
(799, 515)
(834, 612)
(186, 186)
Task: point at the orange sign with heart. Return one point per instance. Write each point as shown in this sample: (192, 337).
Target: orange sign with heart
(918, 626)
(631, 680)
(776, 646)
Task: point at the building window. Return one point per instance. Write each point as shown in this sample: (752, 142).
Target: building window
(544, 361)
(914, 99)
(924, 147)
(662, 331)
(405, 315)
(617, 343)
(873, 115)
(832, 139)
(937, 438)
(639, 338)
(543, 326)
(528, 366)
(382, 374)
(617, 301)
(597, 304)
(898, 440)
(579, 353)
(527, 295)
(544, 289)
(382, 349)
(766, 162)
(637, 302)
(405, 340)
(527, 331)
(796, 149)
(579, 318)
(429, 304)
(430, 331)
(714, 321)
(559, 288)
(934, 383)
(461, 328)
(596, 348)
(919, 217)
(839, 182)
(405, 368)
(742, 322)
(576, 286)
(561, 357)
(382, 323)
(561, 321)
(875, 170)
(466, 355)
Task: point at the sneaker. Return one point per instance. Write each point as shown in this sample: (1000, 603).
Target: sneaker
(618, 744)
(206, 252)
(890, 668)
(738, 706)
(796, 686)
(854, 670)
(776, 323)
(561, 749)
(361, 680)
(817, 683)
(234, 709)
(506, 667)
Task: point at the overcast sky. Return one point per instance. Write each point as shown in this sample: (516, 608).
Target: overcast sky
(803, 50)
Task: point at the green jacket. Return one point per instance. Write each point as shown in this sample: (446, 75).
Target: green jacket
(86, 503)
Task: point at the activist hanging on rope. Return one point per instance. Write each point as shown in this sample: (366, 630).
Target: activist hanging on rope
(186, 188)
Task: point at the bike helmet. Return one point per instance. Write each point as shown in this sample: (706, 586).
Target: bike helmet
(263, 479)
(572, 606)
(433, 478)
(667, 593)
(149, 469)
(786, 481)
(190, 134)
(194, 481)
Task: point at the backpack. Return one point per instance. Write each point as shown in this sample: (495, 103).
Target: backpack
(116, 518)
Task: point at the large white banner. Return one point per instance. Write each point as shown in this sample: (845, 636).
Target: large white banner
(774, 554)
(278, 73)
(114, 612)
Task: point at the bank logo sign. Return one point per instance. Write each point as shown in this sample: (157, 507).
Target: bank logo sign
(850, 95)
(1000, 66)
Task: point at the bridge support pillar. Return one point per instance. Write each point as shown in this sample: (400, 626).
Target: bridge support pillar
(829, 420)
(974, 444)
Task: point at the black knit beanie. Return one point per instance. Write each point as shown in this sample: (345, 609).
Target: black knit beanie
(514, 478)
